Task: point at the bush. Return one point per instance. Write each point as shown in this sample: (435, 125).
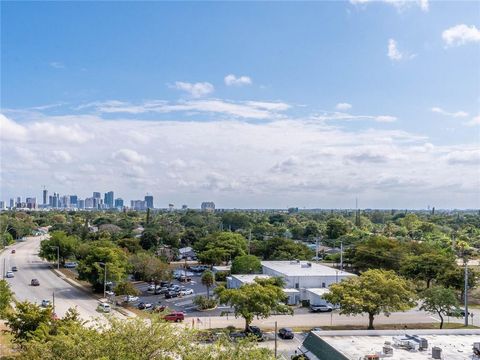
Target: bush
(203, 303)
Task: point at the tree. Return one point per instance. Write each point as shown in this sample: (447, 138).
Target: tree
(208, 280)
(378, 252)
(6, 296)
(26, 318)
(67, 246)
(126, 288)
(455, 278)
(285, 249)
(226, 244)
(259, 299)
(134, 339)
(427, 266)
(246, 264)
(439, 300)
(91, 270)
(336, 227)
(213, 256)
(373, 292)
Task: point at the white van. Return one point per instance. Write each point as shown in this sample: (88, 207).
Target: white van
(104, 307)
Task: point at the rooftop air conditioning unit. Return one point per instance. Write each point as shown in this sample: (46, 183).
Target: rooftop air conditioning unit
(436, 352)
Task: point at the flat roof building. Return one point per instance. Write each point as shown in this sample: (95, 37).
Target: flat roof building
(455, 344)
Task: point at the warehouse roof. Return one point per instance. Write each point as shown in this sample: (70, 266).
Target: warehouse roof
(303, 268)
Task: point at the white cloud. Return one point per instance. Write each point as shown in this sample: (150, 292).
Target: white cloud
(350, 117)
(246, 109)
(10, 130)
(460, 35)
(232, 80)
(395, 54)
(57, 65)
(131, 157)
(61, 156)
(343, 106)
(196, 90)
(457, 114)
(464, 157)
(474, 121)
(399, 4)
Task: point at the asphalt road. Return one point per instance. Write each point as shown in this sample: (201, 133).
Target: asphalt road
(30, 266)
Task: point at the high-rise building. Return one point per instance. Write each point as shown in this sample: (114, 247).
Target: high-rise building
(208, 206)
(119, 203)
(31, 203)
(149, 201)
(138, 205)
(97, 195)
(73, 201)
(2, 205)
(90, 203)
(12, 204)
(45, 197)
(109, 200)
(55, 201)
(81, 204)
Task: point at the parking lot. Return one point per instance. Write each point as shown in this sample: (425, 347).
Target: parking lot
(181, 303)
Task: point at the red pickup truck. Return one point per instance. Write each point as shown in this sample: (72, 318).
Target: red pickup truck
(175, 316)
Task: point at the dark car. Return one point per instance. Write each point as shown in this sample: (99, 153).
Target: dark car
(14, 268)
(165, 284)
(144, 306)
(172, 294)
(35, 282)
(252, 331)
(458, 312)
(255, 331)
(286, 333)
(13, 251)
(162, 290)
(175, 316)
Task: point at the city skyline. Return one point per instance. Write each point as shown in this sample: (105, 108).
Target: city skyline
(251, 105)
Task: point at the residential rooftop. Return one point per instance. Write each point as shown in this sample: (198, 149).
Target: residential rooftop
(303, 268)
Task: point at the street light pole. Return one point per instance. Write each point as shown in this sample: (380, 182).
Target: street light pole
(104, 278)
(466, 293)
(58, 255)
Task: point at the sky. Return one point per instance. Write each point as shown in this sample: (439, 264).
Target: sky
(247, 104)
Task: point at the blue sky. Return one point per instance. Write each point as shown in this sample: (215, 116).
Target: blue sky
(406, 73)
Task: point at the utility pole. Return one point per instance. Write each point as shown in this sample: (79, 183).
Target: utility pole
(104, 278)
(466, 293)
(58, 256)
(276, 339)
(316, 248)
(341, 255)
(249, 240)
(4, 267)
(53, 302)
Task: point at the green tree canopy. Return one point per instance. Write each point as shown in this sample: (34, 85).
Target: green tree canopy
(6, 297)
(67, 246)
(260, 299)
(427, 266)
(438, 300)
(246, 264)
(373, 292)
(378, 252)
(208, 280)
(230, 245)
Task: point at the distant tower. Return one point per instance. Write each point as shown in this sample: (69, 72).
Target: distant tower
(149, 201)
(45, 196)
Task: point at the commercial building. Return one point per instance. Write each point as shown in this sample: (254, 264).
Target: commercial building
(2, 205)
(45, 197)
(119, 203)
(458, 344)
(208, 206)
(81, 204)
(304, 274)
(73, 201)
(31, 202)
(138, 205)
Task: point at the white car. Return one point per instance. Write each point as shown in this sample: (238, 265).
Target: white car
(186, 292)
(152, 287)
(9, 274)
(131, 298)
(104, 307)
(46, 303)
(109, 293)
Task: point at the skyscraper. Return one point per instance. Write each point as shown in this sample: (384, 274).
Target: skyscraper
(109, 200)
(12, 203)
(149, 201)
(97, 195)
(74, 201)
(119, 203)
(45, 197)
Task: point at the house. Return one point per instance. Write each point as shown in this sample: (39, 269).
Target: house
(186, 253)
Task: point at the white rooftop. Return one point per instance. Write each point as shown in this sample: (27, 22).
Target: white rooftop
(318, 291)
(455, 345)
(249, 278)
(303, 268)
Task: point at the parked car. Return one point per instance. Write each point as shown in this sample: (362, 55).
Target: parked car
(45, 303)
(159, 308)
(109, 293)
(131, 298)
(152, 287)
(104, 307)
(320, 308)
(162, 290)
(184, 292)
(70, 265)
(457, 312)
(13, 251)
(175, 316)
(14, 268)
(9, 274)
(165, 284)
(35, 282)
(144, 306)
(286, 333)
(172, 294)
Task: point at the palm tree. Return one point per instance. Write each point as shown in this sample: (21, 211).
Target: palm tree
(208, 279)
